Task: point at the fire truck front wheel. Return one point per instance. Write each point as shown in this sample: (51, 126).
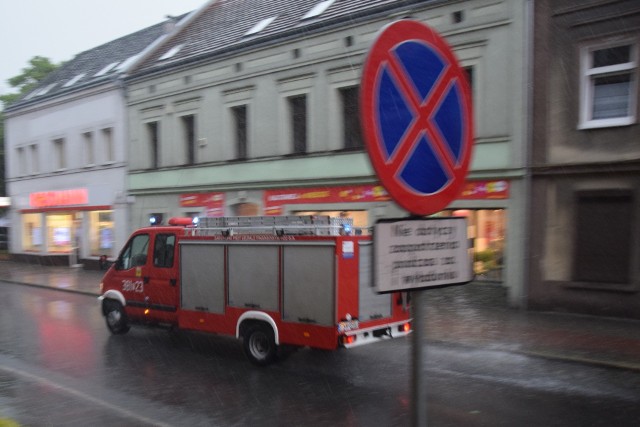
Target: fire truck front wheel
(115, 317)
(259, 344)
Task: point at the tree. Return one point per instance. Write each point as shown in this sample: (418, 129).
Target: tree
(39, 67)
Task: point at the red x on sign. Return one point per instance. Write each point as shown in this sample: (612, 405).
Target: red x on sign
(416, 117)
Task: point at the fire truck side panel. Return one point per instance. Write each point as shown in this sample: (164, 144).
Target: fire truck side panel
(202, 277)
(253, 274)
(347, 285)
(309, 283)
(372, 305)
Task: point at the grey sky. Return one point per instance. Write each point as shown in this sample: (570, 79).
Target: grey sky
(60, 29)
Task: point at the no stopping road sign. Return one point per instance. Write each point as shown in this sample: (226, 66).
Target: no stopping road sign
(416, 117)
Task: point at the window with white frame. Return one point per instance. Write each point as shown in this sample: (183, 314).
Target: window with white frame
(609, 84)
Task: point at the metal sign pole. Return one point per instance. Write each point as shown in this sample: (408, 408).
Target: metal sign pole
(418, 386)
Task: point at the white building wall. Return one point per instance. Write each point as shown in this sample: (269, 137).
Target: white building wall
(104, 178)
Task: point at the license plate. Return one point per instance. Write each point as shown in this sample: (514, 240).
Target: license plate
(348, 325)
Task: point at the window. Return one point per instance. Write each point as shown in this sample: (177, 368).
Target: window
(470, 77)
(59, 154)
(107, 143)
(135, 253)
(89, 151)
(74, 80)
(163, 250)
(171, 52)
(35, 160)
(189, 132)
(240, 121)
(60, 236)
(101, 233)
(154, 144)
(22, 161)
(318, 9)
(260, 26)
(609, 85)
(298, 115)
(32, 232)
(603, 236)
(352, 137)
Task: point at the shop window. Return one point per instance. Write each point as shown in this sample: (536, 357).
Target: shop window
(101, 233)
(360, 218)
(352, 137)
(603, 237)
(32, 240)
(60, 232)
(486, 231)
(245, 209)
(298, 117)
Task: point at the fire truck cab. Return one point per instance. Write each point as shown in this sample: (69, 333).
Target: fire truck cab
(271, 281)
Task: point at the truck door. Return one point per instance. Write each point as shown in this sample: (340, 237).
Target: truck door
(146, 272)
(130, 268)
(161, 278)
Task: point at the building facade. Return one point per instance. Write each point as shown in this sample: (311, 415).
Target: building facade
(254, 111)
(585, 208)
(66, 157)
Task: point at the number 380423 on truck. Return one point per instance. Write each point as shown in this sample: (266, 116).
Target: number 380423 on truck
(270, 281)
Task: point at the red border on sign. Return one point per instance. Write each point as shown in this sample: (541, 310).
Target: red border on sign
(388, 169)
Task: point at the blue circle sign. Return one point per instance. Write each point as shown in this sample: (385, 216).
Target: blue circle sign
(416, 117)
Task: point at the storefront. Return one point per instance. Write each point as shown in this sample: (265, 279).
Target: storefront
(483, 203)
(61, 228)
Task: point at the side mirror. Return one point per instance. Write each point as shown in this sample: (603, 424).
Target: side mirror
(119, 264)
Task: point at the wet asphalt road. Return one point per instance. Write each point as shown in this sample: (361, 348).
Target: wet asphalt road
(59, 366)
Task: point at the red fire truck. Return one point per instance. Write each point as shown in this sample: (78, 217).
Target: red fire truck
(272, 281)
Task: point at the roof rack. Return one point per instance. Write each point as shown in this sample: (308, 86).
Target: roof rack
(307, 225)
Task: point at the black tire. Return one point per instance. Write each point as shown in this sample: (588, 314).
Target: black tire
(115, 317)
(260, 345)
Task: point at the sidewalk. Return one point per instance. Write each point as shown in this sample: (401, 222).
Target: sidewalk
(474, 315)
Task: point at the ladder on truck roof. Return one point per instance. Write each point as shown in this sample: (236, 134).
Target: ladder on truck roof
(309, 225)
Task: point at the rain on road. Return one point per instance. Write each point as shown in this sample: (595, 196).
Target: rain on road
(60, 366)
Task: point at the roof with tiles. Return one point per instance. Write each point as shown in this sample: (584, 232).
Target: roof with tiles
(94, 66)
(225, 26)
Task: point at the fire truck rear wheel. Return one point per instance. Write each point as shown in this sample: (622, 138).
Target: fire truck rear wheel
(115, 317)
(259, 344)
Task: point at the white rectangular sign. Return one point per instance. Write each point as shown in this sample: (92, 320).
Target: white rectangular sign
(421, 253)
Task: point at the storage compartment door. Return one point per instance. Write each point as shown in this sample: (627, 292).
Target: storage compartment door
(202, 277)
(253, 277)
(309, 284)
(372, 305)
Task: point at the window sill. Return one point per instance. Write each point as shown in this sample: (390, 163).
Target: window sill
(607, 123)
